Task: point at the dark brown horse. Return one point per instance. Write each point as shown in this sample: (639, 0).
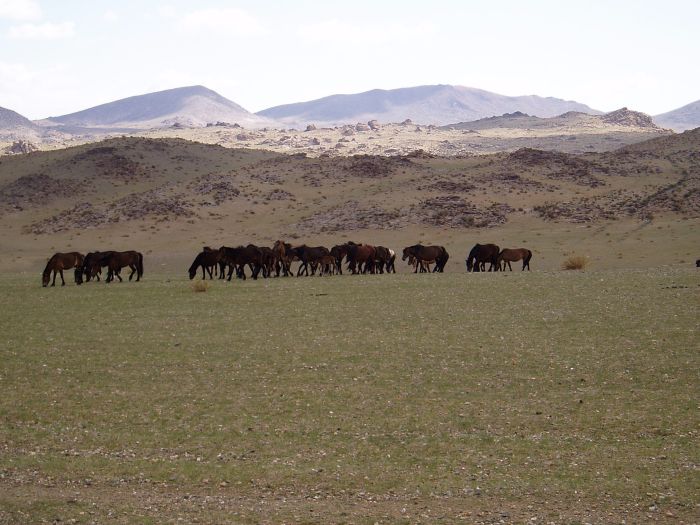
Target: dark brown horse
(339, 251)
(240, 257)
(92, 265)
(63, 261)
(118, 260)
(207, 259)
(427, 253)
(509, 255)
(481, 254)
(310, 257)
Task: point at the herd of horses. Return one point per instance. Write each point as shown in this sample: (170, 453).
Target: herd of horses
(88, 267)
(277, 261)
(358, 258)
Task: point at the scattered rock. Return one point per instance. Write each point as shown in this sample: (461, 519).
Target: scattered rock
(374, 125)
(20, 147)
(311, 127)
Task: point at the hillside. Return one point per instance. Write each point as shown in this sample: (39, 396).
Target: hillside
(14, 126)
(438, 104)
(681, 119)
(186, 106)
(172, 196)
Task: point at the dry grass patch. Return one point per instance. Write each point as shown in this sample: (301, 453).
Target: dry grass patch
(575, 262)
(200, 286)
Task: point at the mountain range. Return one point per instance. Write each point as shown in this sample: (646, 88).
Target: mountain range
(438, 104)
(197, 106)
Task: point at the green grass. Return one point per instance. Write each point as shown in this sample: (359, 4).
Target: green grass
(567, 396)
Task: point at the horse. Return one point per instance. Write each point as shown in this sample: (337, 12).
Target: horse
(237, 258)
(63, 261)
(509, 255)
(309, 256)
(697, 263)
(327, 265)
(92, 265)
(427, 253)
(359, 255)
(481, 254)
(339, 251)
(118, 260)
(390, 267)
(421, 266)
(207, 259)
(283, 259)
(381, 257)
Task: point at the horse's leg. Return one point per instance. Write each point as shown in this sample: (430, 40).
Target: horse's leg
(133, 271)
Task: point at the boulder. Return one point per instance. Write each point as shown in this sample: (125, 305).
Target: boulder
(374, 125)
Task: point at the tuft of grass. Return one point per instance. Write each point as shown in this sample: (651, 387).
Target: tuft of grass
(200, 286)
(575, 262)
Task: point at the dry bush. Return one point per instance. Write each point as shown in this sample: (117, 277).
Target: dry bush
(575, 262)
(200, 286)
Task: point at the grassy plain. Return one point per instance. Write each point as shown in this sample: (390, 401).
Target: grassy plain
(570, 397)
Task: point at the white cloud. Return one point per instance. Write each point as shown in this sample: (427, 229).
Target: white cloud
(20, 9)
(229, 22)
(335, 30)
(47, 30)
(110, 16)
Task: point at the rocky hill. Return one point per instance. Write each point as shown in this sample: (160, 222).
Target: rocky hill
(437, 104)
(681, 119)
(14, 126)
(185, 107)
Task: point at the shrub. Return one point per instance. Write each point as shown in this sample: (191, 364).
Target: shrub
(575, 262)
(200, 286)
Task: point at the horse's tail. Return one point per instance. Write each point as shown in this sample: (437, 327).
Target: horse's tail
(139, 264)
(528, 257)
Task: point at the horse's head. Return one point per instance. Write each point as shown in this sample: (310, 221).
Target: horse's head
(406, 253)
(192, 272)
(78, 274)
(45, 278)
(470, 265)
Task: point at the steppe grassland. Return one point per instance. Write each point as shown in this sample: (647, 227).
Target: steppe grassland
(559, 395)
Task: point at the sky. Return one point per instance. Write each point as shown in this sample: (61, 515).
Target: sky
(61, 56)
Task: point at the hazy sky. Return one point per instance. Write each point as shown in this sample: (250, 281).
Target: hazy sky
(61, 56)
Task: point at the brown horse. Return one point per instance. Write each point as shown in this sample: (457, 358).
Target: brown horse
(427, 253)
(283, 259)
(118, 260)
(509, 255)
(63, 261)
(327, 265)
(360, 257)
(481, 254)
(207, 259)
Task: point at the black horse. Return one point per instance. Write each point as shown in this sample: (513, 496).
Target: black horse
(481, 254)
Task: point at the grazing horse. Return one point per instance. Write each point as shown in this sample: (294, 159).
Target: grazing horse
(390, 267)
(481, 254)
(63, 261)
(509, 255)
(207, 259)
(422, 253)
(92, 265)
(118, 260)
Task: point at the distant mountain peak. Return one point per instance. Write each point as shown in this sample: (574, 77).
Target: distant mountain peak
(190, 105)
(626, 117)
(681, 119)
